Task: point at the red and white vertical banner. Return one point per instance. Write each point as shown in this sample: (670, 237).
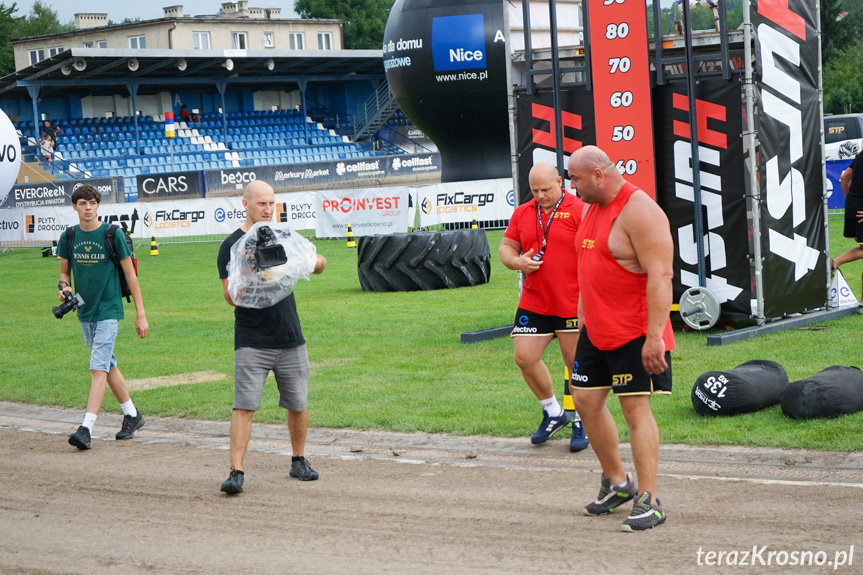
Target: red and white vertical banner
(621, 88)
(169, 125)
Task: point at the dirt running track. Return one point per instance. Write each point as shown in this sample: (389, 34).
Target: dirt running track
(401, 503)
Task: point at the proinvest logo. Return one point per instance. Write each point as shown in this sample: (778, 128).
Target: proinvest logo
(458, 42)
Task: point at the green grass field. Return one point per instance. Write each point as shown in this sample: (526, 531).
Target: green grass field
(389, 361)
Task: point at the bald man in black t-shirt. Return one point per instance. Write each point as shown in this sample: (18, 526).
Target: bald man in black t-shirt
(268, 339)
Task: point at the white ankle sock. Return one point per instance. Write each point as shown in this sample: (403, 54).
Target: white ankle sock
(551, 406)
(89, 421)
(129, 408)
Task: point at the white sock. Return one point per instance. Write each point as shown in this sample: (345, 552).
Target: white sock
(129, 408)
(89, 421)
(621, 485)
(551, 406)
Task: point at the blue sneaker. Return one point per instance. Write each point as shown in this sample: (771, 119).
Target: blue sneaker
(549, 426)
(579, 440)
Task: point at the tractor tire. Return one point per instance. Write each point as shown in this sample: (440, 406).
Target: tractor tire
(423, 260)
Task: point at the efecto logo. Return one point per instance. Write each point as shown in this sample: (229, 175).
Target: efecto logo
(220, 215)
(458, 42)
(510, 198)
(522, 320)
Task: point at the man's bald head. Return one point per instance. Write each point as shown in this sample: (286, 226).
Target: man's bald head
(543, 170)
(545, 184)
(590, 157)
(594, 176)
(257, 186)
(259, 199)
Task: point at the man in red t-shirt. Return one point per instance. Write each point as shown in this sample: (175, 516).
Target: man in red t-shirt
(625, 265)
(539, 242)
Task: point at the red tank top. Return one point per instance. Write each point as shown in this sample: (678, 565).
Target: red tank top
(614, 299)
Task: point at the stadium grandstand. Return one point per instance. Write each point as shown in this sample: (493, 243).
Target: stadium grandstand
(251, 107)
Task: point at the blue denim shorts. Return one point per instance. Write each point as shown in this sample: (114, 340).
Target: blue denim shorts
(100, 337)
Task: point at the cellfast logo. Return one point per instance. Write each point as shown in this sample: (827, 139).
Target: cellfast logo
(458, 42)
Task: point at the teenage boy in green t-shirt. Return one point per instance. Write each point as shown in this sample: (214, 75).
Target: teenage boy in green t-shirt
(98, 284)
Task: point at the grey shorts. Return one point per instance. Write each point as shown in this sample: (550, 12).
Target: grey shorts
(290, 366)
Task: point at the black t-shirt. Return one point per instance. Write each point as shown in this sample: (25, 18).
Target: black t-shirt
(274, 327)
(855, 188)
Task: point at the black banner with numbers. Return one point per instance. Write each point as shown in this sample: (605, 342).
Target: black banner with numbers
(537, 134)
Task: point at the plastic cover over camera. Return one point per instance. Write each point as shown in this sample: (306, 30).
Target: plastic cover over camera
(262, 288)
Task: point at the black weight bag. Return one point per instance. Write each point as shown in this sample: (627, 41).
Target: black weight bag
(834, 391)
(748, 387)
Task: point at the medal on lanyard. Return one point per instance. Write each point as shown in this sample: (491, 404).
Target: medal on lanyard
(537, 257)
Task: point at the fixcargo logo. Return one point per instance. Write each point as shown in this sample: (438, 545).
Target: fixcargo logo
(458, 42)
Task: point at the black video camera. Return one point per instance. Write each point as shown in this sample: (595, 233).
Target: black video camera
(268, 252)
(72, 303)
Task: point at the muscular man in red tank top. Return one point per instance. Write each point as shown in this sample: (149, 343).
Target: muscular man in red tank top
(625, 265)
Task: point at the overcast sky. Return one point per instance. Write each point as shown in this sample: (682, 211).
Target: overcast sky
(147, 10)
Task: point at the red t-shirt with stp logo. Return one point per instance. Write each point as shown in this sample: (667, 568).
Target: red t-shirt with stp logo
(553, 289)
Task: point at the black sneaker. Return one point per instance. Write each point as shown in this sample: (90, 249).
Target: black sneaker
(579, 441)
(302, 470)
(645, 515)
(549, 426)
(81, 438)
(130, 425)
(234, 483)
(610, 499)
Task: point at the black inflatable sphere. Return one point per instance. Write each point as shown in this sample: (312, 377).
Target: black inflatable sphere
(834, 391)
(445, 62)
(748, 387)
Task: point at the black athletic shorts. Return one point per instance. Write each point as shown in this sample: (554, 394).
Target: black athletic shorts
(529, 323)
(853, 228)
(619, 369)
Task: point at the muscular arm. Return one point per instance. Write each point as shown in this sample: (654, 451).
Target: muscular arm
(511, 257)
(650, 234)
(845, 180)
(141, 325)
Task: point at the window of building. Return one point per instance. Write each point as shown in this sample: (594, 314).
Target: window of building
(88, 44)
(137, 42)
(239, 41)
(36, 56)
(102, 44)
(298, 41)
(201, 40)
(55, 50)
(325, 41)
(268, 40)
